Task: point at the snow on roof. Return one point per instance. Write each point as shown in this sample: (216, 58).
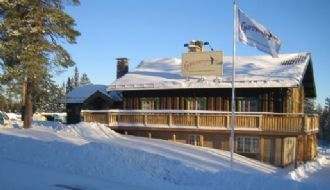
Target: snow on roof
(251, 72)
(81, 93)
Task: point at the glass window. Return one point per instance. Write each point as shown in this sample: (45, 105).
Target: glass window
(247, 145)
(240, 144)
(194, 140)
(149, 103)
(197, 103)
(246, 104)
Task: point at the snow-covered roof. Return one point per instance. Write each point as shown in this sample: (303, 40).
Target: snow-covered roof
(81, 93)
(287, 70)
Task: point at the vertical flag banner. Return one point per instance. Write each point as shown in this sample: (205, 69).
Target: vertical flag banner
(256, 35)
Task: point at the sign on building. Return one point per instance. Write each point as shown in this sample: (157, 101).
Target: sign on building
(202, 63)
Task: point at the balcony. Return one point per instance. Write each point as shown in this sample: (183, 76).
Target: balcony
(211, 120)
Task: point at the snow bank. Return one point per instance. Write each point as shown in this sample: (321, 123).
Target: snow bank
(307, 169)
(91, 131)
(304, 170)
(91, 150)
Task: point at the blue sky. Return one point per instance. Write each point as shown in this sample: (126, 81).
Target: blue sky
(143, 29)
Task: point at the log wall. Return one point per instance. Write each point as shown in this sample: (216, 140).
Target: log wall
(278, 100)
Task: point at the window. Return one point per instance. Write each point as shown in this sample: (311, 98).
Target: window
(201, 103)
(247, 145)
(197, 103)
(246, 104)
(149, 103)
(194, 140)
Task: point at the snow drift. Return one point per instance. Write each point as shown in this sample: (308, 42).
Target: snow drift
(94, 151)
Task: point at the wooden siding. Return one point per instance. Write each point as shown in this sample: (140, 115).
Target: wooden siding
(276, 150)
(278, 100)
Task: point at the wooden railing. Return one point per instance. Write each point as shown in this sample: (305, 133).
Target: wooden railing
(205, 119)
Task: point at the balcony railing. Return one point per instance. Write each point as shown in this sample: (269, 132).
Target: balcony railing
(262, 121)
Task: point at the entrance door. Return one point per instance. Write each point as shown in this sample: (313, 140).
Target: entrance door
(269, 150)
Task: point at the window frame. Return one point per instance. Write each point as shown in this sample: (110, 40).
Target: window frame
(246, 144)
(195, 140)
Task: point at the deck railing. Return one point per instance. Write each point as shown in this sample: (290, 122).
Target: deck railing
(262, 121)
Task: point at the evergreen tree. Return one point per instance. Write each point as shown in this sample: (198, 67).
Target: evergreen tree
(30, 32)
(76, 78)
(84, 80)
(47, 99)
(68, 85)
(309, 106)
(63, 89)
(324, 120)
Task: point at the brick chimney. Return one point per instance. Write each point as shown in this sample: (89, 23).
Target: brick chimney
(122, 67)
(195, 46)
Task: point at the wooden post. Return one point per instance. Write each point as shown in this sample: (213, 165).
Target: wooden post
(305, 144)
(126, 133)
(197, 120)
(145, 120)
(262, 149)
(306, 124)
(169, 119)
(282, 151)
(202, 140)
(227, 121)
(174, 137)
(296, 153)
(260, 122)
(109, 119)
(149, 135)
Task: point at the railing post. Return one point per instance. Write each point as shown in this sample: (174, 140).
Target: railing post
(227, 121)
(260, 121)
(170, 119)
(305, 123)
(197, 120)
(145, 120)
(109, 119)
(84, 116)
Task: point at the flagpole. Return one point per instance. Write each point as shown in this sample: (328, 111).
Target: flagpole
(232, 135)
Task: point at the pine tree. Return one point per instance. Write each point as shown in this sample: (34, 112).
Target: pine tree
(63, 89)
(30, 36)
(68, 85)
(309, 106)
(76, 78)
(84, 80)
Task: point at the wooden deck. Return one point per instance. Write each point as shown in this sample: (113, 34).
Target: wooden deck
(264, 121)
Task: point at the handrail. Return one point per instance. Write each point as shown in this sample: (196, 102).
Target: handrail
(262, 121)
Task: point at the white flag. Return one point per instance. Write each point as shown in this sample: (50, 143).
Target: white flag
(256, 35)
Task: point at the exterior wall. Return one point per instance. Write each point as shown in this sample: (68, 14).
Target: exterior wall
(276, 150)
(278, 100)
(294, 100)
(211, 140)
(306, 147)
(289, 145)
(73, 113)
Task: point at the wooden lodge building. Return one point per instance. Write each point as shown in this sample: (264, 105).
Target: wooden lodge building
(270, 123)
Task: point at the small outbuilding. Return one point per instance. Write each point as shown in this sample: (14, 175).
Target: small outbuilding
(89, 97)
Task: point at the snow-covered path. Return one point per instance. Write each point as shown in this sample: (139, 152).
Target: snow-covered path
(90, 156)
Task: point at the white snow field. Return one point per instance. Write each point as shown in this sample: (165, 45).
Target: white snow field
(90, 156)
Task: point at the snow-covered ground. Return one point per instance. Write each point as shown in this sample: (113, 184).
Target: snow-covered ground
(90, 156)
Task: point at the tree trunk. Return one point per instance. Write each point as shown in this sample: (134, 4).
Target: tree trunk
(28, 108)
